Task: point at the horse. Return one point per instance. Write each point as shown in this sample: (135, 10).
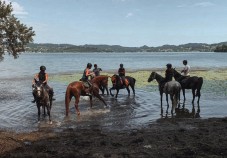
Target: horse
(43, 99)
(194, 83)
(118, 84)
(172, 88)
(77, 89)
(102, 82)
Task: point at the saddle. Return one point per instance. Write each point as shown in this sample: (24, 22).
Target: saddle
(125, 82)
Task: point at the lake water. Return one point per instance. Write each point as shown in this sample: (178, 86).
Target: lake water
(19, 114)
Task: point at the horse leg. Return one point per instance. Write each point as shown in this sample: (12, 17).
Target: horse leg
(111, 92)
(48, 112)
(193, 95)
(90, 101)
(161, 103)
(38, 107)
(77, 99)
(117, 93)
(133, 89)
(100, 98)
(68, 98)
(183, 90)
(106, 88)
(174, 101)
(128, 91)
(44, 110)
(167, 102)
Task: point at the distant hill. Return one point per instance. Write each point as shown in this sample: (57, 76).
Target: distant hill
(190, 47)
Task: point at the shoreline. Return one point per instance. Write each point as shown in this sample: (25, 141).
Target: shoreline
(164, 138)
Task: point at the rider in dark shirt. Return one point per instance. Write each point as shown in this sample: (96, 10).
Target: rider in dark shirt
(42, 77)
(85, 78)
(168, 75)
(96, 70)
(121, 73)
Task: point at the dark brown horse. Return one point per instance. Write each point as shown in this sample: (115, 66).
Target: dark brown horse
(118, 84)
(77, 89)
(102, 82)
(42, 100)
(194, 83)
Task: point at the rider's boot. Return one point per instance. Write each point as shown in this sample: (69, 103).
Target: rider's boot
(34, 100)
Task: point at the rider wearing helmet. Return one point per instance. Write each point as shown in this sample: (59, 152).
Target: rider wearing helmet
(169, 73)
(85, 77)
(96, 70)
(186, 69)
(42, 77)
(121, 73)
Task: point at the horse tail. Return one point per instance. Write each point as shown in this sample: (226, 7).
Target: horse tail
(68, 97)
(199, 86)
(177, 95)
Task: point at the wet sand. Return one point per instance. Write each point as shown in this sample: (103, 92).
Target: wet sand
(166, 138)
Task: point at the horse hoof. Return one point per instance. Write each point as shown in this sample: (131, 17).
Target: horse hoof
(38, 122)
(50, 122)
(78, 113)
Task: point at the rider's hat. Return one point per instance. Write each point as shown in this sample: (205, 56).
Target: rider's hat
(169, 65)
(42, 68)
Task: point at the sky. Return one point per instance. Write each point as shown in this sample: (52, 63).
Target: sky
(132, 23)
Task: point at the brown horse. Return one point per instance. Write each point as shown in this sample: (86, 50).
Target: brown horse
(42, 100)
(102, 82)
(194, 83)
(118, 84)
(77, 89)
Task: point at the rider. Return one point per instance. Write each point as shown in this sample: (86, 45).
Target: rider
(168, 75)
(96, 70)
(85, 77)
(42, 77)
(186, 69)
(121, 73)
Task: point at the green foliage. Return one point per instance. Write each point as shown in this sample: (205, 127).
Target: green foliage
(13, 34)
(222, 48)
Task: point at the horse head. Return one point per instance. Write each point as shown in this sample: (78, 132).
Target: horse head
(152, 77)
(39, 88)
(114, 79)
(176, 74)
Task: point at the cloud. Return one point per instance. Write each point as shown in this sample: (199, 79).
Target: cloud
(17, 8)
(201, 4)
(129, 15)
(204, 4)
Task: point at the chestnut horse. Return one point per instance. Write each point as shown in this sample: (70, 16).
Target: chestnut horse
(102, 82)
(117, 84)
(77, 89)
(194, 83)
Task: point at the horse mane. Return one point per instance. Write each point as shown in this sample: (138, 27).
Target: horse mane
(176, 74)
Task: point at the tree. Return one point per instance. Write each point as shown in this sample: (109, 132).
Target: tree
(221, 48)
(13, 34)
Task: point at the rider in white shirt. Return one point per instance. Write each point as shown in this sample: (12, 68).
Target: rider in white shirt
(185, 71)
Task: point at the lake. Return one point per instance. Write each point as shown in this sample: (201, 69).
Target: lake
(19, 114)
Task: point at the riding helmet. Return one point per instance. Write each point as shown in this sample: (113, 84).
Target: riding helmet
(121, 65)
(89, 65)
(185, 61)
(42, 68)
(169, 65)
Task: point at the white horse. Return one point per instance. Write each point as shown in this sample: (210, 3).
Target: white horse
(172, 88)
